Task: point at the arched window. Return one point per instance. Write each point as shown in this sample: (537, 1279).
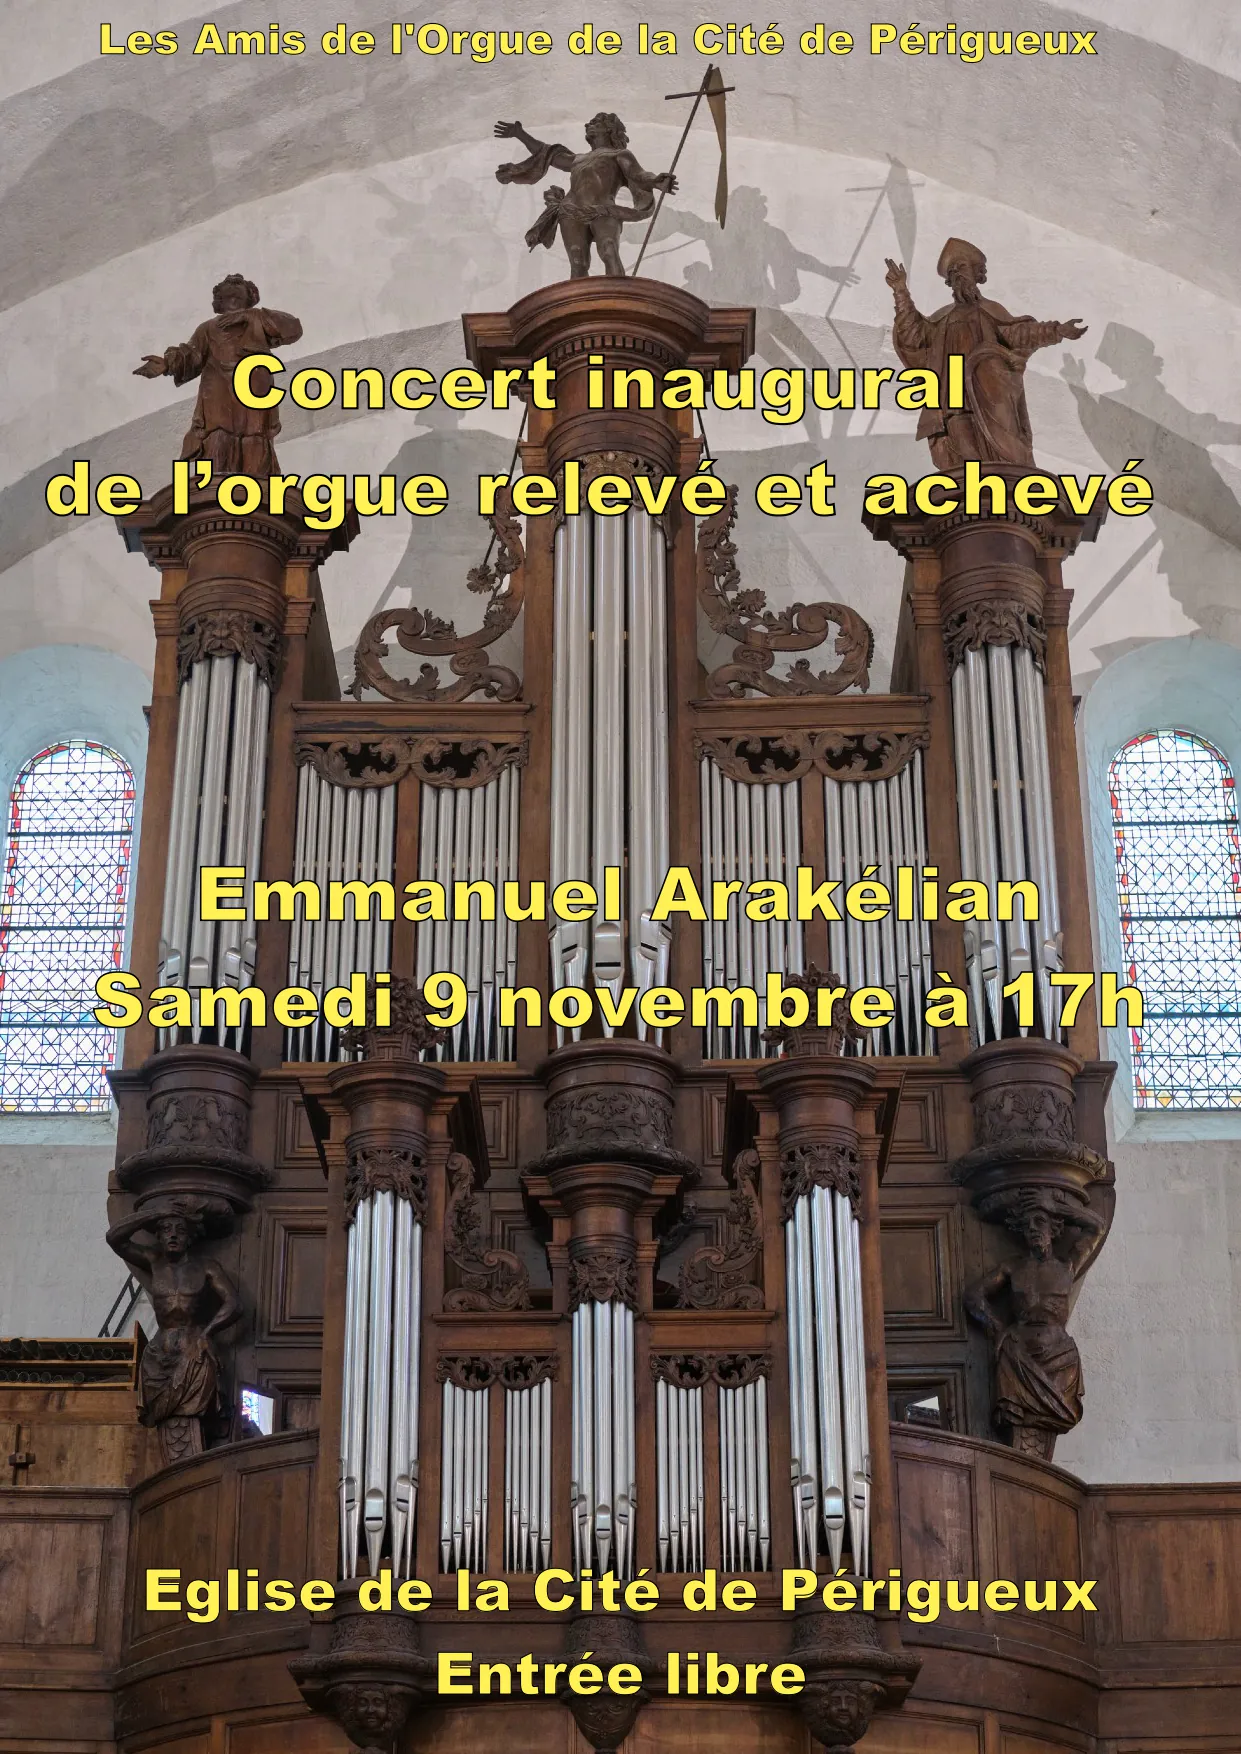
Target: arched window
(62, 924)
(1178, 874)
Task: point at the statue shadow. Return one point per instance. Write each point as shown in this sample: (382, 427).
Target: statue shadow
(1196, 516)
(753, 262)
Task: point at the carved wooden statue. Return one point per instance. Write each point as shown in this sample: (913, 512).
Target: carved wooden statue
(237, 440)
(193, 1299)
(1038, 1372)
(590, 212)
(994, 426)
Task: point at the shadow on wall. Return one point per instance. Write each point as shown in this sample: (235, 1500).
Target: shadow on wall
(440, 551)
(1195, 510)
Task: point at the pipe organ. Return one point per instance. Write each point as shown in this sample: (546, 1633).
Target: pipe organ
(627, 1294)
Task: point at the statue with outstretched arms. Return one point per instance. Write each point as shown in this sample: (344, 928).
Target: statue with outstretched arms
(994, 425)
(589, 212)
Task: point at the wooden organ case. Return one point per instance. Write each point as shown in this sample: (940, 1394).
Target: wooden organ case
(650, 1301)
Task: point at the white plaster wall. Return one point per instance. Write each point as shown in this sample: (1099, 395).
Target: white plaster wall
(361, 195)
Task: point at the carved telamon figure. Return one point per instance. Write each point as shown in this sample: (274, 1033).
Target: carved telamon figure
(994, 426)
(194, 1299)
(1038, 1372)
(590, 212)
(237, 440)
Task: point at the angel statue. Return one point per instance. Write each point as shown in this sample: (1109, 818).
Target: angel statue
(590, 212)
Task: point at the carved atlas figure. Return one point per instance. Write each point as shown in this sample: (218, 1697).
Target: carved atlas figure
(994, 425)
(193, 1299)
(589, 213)
(1038, 1371)
(237, 440)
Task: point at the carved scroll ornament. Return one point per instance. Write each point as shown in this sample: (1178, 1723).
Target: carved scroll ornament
(610, 1123)
(987, 623)
(385, 1172)
(422, 631)
(409, 1032)
(841, 755)
(603, 1276)
(491, 1278)
(512, 1370)
(761, 633)
(229, 633)
(461, 762)
(804, 1167)
(722, 1277)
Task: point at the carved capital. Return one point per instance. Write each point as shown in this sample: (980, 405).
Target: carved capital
(812, 1038)
(491, 1278)
(1007, 622)
(603, 1276)
(761, 633)
(220, 633)
(842, 755)
(512, 1370)
(385, 1172)
(460, 762)
(722, 1276)
(804, 1167)
(409, 1032)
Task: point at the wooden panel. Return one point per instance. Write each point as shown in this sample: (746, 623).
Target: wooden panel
(919, 1132)
(300, 1735)
(301, 1412)
(935, 1503)
(1037, 1536)
(178, 1530)
(1018, 1742)
(499, 1110)
(294, 1274)
(53, 1571)
(908, 1732)
(273, 1520)
(909, 1382)
(917, 1271)
(1178, 1578)
(297, 1141)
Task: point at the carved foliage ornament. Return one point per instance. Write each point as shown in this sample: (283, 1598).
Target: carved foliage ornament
(385, 1172)
(433, 760)
(222, 633)
(422, 631)
(804, 1167)
(201, 1121)
(692, 1370)
(603, 1276)
(723, 1277)
(1004, 623)
(609, 1123)
(842, 755)
(491, 1278)
(761, 633)
(812, 1037)
(1026, 1123)
(408, 1033)
(517, 1370)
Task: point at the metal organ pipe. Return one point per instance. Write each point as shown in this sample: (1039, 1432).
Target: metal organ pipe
(609, 783)
(379, 1391)
(216, 818)
(604, 1471)
(830, 1441)
(343, 833)
(1006, 827)
(881, 822)
(748, 833)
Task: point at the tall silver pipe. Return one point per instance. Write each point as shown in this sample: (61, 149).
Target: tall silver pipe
(211, 819)
(1040, 827)
(1019, 956)
(354, 1386)
(647, 675)
(378, 1378)
(764, 1494)
(608, 734)
(828, 1341)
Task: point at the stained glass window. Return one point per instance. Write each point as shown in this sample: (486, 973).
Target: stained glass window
(1178, 874)
(62, 924)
